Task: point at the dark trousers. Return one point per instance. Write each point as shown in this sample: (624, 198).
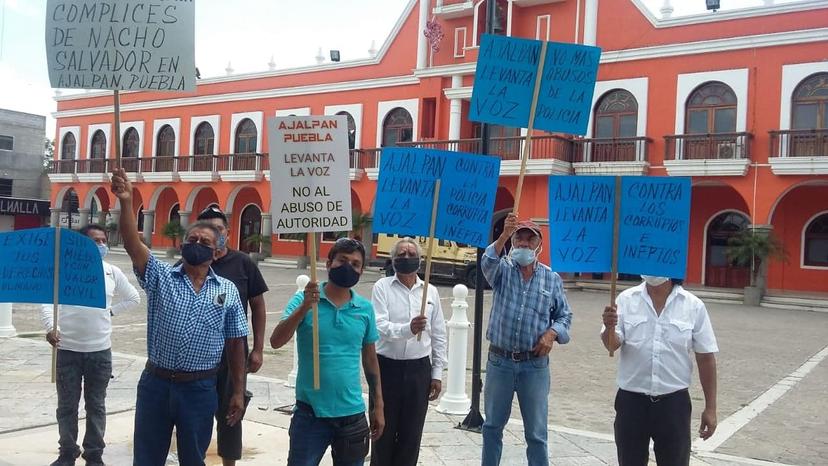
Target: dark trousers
(405, 387)
(162, 404)
(666, 420)
(228, 438)
(310, 436)
(93, 370)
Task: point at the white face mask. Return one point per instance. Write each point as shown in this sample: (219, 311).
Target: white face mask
(654, 281)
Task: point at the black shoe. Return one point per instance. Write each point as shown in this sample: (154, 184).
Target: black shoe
(66, 459)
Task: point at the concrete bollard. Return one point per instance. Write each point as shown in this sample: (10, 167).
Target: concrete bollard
(301, 283)
(7, 330)
(455, 400)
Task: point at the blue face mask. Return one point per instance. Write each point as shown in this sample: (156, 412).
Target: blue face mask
(103, 249)
(523, 256)
(222, 241)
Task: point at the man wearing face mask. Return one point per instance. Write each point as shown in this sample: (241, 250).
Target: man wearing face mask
(84, 357)
(192, 315)
(411, 370)
(658, 325)
(243, 272)
(334, 415)
(529, 314)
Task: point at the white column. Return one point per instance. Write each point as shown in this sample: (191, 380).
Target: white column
(267, 232)
(455, 109)
(7, 330)
(422, 42)
(301, 282)
(54, 218)
(84, 217)
(590, 22)
(455, 400)
(149, 222)
(184, 218)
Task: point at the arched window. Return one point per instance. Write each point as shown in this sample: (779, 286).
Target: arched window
(397, 127)
(720, 270)
(131, 143)
(351, 130)
(67, 147)
(810, 103)
(204, 138)
(711, 108)
(140, 218)
(816, 242)
(70, 206)
(174, 215)
(165, 144)
(98, 145)
(251, 224)
(246, 135)
(616, 115)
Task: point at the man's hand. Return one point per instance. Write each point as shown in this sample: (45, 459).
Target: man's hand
(610, 316)
(509, 225)
(235, 409)
(418, 324)
(121, 186)
(377, 418)
(435, 389)
(254, 361)
(53, 338)
(311, 296)
(708, 424)
(544, 345)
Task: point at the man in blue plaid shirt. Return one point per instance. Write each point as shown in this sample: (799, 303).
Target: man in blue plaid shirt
(192, 315)
(529, 314)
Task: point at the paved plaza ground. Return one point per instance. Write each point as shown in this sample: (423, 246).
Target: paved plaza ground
(772, 379)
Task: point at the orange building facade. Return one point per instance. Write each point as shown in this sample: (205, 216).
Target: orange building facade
(737, 100)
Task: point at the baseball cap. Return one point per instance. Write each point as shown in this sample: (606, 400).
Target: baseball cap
(531, 226)
(211, 213)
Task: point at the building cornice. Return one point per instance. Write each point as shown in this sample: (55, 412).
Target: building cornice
(729, 15)
(392, 81)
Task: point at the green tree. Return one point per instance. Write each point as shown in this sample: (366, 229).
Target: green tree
(174, 231)
(754, 248)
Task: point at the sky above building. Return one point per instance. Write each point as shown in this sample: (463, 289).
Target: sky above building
(245, 35)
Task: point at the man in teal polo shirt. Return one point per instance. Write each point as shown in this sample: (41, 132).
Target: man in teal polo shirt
(334, 415)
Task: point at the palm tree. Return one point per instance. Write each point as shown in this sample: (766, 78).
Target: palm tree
(754, 248)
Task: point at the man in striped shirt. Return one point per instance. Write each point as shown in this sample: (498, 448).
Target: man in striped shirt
(529, 314)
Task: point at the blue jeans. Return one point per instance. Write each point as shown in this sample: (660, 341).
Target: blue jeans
(92, 370)
(530, 380)
(162, 404)
(310, 436)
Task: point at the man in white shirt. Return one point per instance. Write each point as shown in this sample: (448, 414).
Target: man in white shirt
(657, 325)
(410, 370)
(84, 352)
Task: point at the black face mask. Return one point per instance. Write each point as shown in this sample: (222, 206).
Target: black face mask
(196, 253)
(343, 276)
(405, 265)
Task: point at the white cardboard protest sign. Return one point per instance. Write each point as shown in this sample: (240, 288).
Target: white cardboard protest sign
(309, 174)
(125, 45)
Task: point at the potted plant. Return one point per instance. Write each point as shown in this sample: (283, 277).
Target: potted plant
(359, 222)
(754, 248)
(256, 241)
(174, 231)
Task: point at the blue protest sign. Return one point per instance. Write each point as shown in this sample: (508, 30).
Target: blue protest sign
(655, 226)
(504, 84)
(27, 268)
(581, 210)
(504, 80)
(567, 85)
(405, 193)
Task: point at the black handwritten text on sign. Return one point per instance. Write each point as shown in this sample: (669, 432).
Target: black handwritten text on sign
(405, 191)
(27, 271)
(125, 45)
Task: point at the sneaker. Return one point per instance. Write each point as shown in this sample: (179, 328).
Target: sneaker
(65, 460)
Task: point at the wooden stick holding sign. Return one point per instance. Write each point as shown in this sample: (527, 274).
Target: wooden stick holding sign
(56, 290)
(614, 273)
(117, 107)
(527, 143)
(314, 311)
(429, 250)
